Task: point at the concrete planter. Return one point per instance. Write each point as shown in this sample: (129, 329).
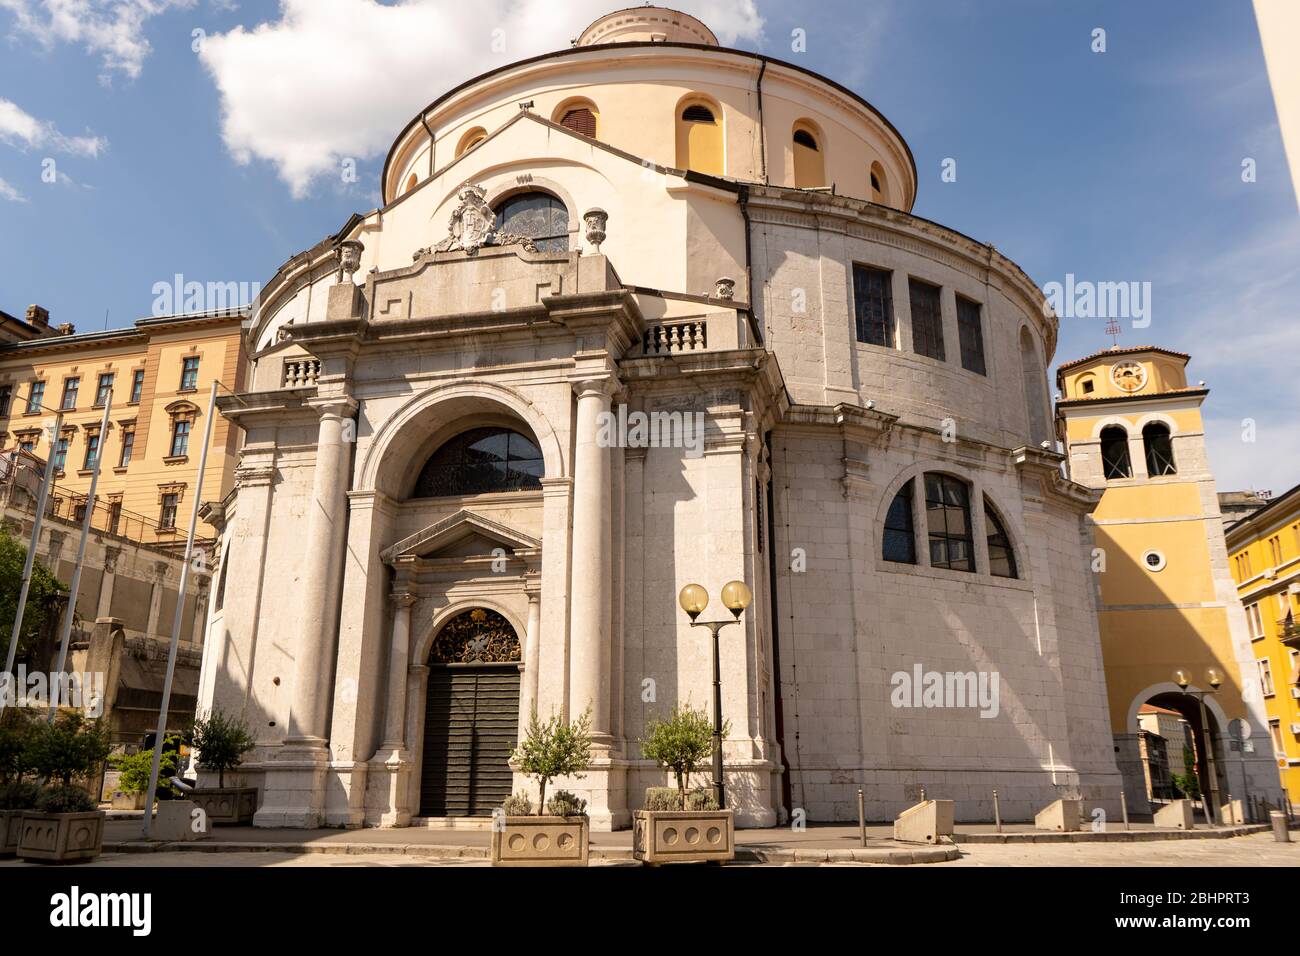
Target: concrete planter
(226, 805)
(61, 837)
(540, 841)
(683, 836)
(11, 825)
(128, 801)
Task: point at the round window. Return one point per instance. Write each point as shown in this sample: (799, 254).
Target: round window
(1154, 561)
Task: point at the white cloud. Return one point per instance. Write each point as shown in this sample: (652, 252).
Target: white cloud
(111, 29)
(20, 128)
(335, 79)
(9, 193)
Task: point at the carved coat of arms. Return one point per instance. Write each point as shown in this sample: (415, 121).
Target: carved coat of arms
(473, 226)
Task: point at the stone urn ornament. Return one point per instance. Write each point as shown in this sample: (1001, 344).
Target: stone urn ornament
(596, 220)
(349, 256)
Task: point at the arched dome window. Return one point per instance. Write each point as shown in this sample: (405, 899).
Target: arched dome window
(411, 182)
(1114, 453)
(699, 137)
(899, 539)
(1002, 557)
(1159, 449)
(879, 185)
(470, 140)
(809, 162)
(537, 216)
(578, 115)
(480, 461)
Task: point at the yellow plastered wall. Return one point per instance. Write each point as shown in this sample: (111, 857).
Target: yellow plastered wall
(1264, 556)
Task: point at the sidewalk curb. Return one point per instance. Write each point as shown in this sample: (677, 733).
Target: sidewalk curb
(744, 854)
(1111, 836)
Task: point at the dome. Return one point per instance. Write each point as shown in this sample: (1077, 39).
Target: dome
(647, 25)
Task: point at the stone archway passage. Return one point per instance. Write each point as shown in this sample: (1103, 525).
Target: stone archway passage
(471, 716)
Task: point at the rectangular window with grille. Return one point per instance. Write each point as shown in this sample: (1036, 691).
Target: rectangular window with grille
(873, 306)
(927, 319)
(971, 335)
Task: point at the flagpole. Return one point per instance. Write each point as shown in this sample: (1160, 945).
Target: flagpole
(56, 679)
(160, 737)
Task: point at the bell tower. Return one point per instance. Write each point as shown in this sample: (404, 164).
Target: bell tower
(1166, 601)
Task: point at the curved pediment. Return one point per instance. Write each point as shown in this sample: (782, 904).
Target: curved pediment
(463, 534)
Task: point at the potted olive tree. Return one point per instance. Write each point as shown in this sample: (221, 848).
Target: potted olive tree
(557, 834)
(681, 826)
(221, 742)
(16, 793)
(66, 824)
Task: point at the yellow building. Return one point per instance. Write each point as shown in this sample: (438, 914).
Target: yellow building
(1264, 551)
(1132, 426)
(158, 372)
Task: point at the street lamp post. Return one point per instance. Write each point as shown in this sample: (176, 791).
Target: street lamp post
(694, 599)
(1183, 679)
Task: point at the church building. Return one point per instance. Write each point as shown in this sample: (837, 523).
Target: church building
(637, 314)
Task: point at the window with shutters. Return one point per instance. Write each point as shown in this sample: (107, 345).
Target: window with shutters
(578, 115)
(971, 336)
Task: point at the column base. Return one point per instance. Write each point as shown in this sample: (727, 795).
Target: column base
(388, 788)
(603, 785)
(293, 793)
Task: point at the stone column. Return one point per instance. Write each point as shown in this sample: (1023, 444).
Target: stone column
(293, 794)
(200, 615)
(590, 608)
(314, 646)
(399, 655)
(155, 598)
(532, 660)
(111, 556)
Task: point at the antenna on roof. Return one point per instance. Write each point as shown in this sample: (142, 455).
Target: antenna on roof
(1113, 330)
(106, 320)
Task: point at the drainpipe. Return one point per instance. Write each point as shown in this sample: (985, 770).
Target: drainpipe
(787, 796)
(425, 123)
(749, 264)
(762, 128)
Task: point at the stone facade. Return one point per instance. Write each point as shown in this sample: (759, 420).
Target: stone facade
(696, 295)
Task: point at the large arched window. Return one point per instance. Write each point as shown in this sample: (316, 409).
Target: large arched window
(809, 162)
(1035, 384)
(1159, 449)
(1002, 559)
(699, 137)
(899, 538)
(1114, 453)
(479, 461)
(537, 216)
(947, 510)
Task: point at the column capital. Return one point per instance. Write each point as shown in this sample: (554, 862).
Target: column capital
(402, 599)
(603, 386)
(334, 406)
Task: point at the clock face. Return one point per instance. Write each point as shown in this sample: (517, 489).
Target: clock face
(1128, 376)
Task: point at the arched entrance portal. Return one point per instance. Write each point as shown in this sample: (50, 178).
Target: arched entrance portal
(471, 716)
(1174, 745)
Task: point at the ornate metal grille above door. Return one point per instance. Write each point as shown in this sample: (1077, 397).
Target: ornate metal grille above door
(471, 716)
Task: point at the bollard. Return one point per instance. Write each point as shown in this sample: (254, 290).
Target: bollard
(862, 817)
(997, 811)
(1123, 807)
(1232, 812)
(1281, 832)
(1289, 815)
(923, 794)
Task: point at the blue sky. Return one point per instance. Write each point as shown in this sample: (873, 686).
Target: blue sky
(219, 163)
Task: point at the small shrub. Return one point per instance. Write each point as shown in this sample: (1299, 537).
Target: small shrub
(517, 805)
(19, 795)
(16, 729)
(135, 769)
(70, 747)
(566, 804)
(62, 798)
(670, 798)
(680, 744)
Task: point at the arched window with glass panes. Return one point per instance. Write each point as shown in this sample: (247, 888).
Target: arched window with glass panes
(1114, 453)
(481, 461)
(949, 531)
(537, 216)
